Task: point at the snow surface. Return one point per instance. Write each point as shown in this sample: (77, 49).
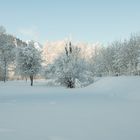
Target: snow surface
(109, 109)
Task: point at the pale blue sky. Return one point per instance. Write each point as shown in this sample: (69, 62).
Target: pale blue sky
(86, 20)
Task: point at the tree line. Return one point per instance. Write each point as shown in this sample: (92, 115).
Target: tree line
(70, 69)
(118, 58)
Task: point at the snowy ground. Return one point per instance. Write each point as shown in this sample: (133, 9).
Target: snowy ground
(107, 110)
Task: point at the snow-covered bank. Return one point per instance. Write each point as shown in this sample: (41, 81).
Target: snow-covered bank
(106, 110)
(122, 87)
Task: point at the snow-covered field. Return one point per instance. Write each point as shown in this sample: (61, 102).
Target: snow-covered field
(109, 109)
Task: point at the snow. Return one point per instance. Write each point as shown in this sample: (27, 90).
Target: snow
(109, 109)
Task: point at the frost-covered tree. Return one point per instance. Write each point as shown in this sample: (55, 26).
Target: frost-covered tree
(28, 61)
(133, 53)
(117, 58)
(7, 53)
(95, 64)
(70, 68)
(102, 61)
(120, 57)
(126, 55)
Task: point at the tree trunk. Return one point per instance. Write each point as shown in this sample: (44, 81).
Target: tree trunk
(31, 78)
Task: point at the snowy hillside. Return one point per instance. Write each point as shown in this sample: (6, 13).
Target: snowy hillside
(52, 50)
(109, 109)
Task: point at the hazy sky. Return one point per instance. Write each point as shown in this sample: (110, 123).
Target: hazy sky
(85, 20)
